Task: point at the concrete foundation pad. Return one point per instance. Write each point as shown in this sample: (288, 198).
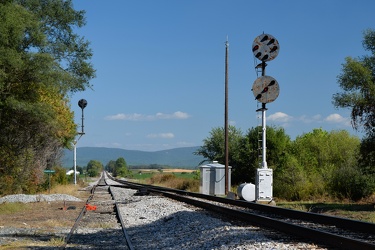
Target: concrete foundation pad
(266, 202)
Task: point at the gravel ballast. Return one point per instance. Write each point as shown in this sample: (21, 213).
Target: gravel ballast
(156, 222)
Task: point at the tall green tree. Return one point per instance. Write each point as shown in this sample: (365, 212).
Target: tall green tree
(357, 81)
(42, 61)
(94, 168)
(110, 167)
(244, 150)
(290, 180)
(277, 144)
(213, 146)
(121, 168)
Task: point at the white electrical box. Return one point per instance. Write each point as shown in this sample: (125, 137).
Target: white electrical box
(264, 182)
(212, 179)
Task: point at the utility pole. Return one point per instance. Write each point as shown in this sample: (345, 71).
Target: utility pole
(226, 120)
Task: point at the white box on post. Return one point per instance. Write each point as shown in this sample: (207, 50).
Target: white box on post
(264, 182)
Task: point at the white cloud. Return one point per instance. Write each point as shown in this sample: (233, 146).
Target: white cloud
(336, 118)
(310, 119)
(131, 117)
(280, 117)
(161, 135)
(175, 115)
(141, 117)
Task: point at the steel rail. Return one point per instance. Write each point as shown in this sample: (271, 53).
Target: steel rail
(79, 218)
(119, 217)
(128, 240)
(303, 232)
(339, 222)
(67, 238)
(84, 210)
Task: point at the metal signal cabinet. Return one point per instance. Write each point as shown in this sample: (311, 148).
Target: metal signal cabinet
(212, 178)
(264, 184)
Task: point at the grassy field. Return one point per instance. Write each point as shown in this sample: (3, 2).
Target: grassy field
(188, 180)
(174, 178)
(363, 211)
(143, 174)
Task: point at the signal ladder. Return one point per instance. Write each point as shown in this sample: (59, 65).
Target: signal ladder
(259, 135)
(258, 72)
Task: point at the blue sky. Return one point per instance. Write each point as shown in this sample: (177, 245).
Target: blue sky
(160, 67)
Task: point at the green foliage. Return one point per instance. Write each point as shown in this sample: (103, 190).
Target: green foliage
(244, 150)
(367, 155)
(139, 175)
(290, 180)
(314, 165)
(110, 167)
(94, 168)
(213, 146)
(151, 166)
(350, 182)
(42, 61)
(60, 176)
(120, 168)
(197, 175)
(358, 85)
(79, 169)
(357, 81)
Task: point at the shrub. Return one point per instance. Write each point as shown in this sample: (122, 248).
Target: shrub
(351, 183)
(188, 185)
(171, 181)
(161, 178)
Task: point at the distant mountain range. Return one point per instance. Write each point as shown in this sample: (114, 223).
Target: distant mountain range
(177, 157)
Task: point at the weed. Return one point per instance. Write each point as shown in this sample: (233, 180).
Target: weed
(13, 207)
(28, 243)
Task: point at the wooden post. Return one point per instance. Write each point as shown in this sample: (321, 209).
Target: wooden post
(226, 120)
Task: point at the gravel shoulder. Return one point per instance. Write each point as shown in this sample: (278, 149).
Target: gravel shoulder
(50, 217)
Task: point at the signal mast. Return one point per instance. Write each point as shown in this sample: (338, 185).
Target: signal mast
(265, 89)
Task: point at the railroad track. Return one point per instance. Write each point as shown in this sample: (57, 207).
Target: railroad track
(99, 224)
(326, 230)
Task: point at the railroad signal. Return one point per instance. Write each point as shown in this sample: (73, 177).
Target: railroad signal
(265, 89)
(82, 103)
(265, 47)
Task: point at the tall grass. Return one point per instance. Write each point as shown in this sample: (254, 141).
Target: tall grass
(172, 181)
